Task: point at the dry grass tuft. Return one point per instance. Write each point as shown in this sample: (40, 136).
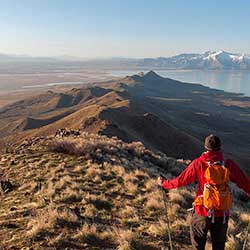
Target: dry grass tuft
(127, 240)
(93, 236)
(39, 226)
(70, 196)
(131, 188)
(176, 197)
(231, 225)
(128, 211)
(92, 171)
(160, 229)
(79, 169)
(50, 191)
(118, 170)
(154, 203)
(151, 185)
(63, 182)
(61, 241)
(90, 211)
(131, 222)
(141, 174)
(245, 217)
(173, 211)
(232, 243)
(47, 220)
(88, 234)
(130, 177)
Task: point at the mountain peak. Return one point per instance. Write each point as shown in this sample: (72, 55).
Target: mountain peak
(151, 75)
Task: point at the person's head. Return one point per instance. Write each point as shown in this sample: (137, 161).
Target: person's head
(212, 143)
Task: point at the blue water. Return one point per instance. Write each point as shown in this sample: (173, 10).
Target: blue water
(232, 81)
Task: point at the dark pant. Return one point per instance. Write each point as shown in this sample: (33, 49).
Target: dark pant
(200, 225)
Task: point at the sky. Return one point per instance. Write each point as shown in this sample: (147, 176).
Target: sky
(123, 28)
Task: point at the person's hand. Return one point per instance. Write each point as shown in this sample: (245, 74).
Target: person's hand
(160, 181)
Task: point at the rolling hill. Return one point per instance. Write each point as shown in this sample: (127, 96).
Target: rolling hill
(164, 114)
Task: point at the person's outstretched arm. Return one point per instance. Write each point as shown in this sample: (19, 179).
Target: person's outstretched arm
(188, 176)
(238, 177)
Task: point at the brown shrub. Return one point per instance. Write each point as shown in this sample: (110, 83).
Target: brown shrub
(66, 146)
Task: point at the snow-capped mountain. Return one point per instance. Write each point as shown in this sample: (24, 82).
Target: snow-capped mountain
(222, 59)
(207, 60)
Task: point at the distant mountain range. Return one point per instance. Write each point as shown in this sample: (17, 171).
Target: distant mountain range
(214, 60)
(7, 58)
(207, 60)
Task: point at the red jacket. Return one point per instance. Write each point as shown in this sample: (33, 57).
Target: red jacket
(196, 171)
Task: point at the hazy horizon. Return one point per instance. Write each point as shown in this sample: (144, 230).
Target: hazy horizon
(114, 57)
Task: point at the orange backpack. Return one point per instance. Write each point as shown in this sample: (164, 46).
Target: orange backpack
(216, 194)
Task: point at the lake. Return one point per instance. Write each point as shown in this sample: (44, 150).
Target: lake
(232, 81)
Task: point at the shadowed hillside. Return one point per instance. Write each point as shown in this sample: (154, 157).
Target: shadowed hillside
(94, 192)
(44, 109)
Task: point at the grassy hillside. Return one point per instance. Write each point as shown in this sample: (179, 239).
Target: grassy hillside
(95, 192)
(166, 115)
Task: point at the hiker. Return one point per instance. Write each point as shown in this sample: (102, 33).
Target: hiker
(207, 214)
